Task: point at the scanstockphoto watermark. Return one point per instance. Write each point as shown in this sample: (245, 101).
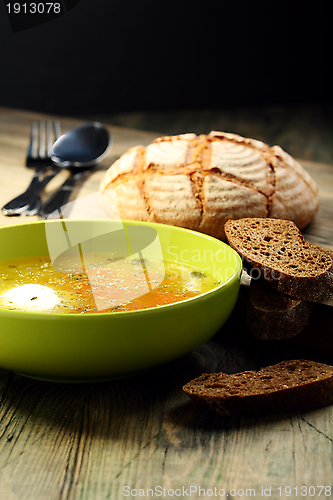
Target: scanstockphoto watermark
(215, 492)
(267, 274)
(186, 492)
(219, 260)
(220, 263)
(256, 273)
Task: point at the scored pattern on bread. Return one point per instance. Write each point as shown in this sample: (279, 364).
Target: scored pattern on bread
(229, 206)
(243, 163)
(172, 198)
(199, 182)
(277, 250)
(287, 187)
(288, 386)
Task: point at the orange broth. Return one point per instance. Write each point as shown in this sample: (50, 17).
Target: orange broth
(103, 284)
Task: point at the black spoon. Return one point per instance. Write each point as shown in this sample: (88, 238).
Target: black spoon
(79, 150)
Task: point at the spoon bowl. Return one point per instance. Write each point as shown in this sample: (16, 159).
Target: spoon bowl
(82, 146)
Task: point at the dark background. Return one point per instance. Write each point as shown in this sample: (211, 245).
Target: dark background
(107, 56)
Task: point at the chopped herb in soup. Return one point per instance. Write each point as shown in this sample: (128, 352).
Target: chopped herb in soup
(100, 284)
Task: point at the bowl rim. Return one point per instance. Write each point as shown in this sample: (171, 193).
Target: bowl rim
(39, 314)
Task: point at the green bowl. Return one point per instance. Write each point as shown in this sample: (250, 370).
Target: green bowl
(106, 346)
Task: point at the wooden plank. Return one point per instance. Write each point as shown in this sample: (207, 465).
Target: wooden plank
(94, 441)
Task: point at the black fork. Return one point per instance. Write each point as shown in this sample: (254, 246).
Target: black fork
(43, 134)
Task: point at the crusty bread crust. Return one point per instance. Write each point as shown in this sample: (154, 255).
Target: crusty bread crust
(200, 182)
(289, 386)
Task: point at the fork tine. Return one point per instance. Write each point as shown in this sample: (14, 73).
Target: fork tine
(33, 140)
(57, 129)
(42, 137)
(49, 141)
(41, 149)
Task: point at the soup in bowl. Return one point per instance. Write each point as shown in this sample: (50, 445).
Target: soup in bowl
(90, 300)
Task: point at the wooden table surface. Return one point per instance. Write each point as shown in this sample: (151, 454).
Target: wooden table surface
(141, 436)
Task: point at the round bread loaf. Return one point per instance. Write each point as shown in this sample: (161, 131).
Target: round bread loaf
(199, 182)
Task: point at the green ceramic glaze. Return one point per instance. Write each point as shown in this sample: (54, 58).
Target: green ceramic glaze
(105, 346)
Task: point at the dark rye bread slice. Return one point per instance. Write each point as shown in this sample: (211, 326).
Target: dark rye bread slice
(288, 386)
(274, 315)
(313, 246)
(275, 249)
